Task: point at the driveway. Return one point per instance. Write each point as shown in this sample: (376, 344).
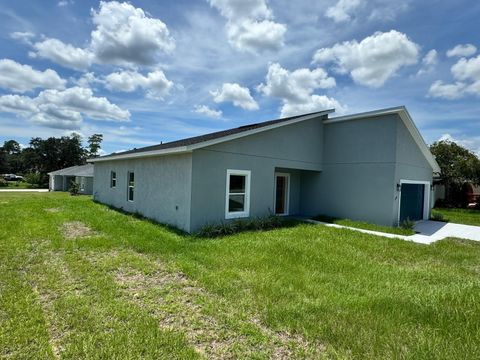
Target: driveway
(431, 231)
(427, 231)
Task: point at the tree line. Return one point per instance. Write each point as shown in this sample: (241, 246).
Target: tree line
(42, 156)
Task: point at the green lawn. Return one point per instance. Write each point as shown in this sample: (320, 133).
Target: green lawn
(79, 280)
(459, 216)
(365, 225)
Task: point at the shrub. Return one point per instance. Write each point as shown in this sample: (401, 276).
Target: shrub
(236, 226)
(407, 224)
(36, 180)
(74, 188)
(3, 183)
(437, 216)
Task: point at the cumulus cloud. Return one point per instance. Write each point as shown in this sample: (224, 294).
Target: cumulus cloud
(342, 10)
(372, 61)
(472, 143)
(154, 83)
(462, 50)
(250, 25)
(63, 109)
(239, 96)
(21, 78)
(126, 35)
(429, 62)
(466, 72)
(205, 110)
(63, 54)
(296, 88)
(123, 35)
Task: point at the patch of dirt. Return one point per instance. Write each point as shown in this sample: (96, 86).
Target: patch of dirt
(178, 304)
(76, 229)
(53, 210)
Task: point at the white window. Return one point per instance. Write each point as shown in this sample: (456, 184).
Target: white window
(130, 185)
(237, 202)
(113, 179)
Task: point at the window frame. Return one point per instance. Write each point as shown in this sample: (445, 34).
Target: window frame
(130, 186)
(113, 179)
(246, 210)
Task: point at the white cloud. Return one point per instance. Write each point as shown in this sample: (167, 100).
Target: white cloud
(205, 110)
(63, 54)
(250, 26)
(255, 36)
(24, 37)
(313, 104)
(296, 88)
(21, 78)
(446, 91)
(429, 62)
(63, 109)
(155, 83)
(63, 3)
(462, 50)
(466, 72)
(372, 61)
(126, 35)
(239, 96)
(342, 10)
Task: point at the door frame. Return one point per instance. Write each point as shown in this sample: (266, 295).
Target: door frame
(426, 197)
(287, 193)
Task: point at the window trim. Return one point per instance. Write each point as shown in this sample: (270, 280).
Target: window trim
(287, 193)
(128, 186)
(112, 179)
(246, 211)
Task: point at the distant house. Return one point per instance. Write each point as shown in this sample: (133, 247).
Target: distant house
(61, 180)
(372, 166)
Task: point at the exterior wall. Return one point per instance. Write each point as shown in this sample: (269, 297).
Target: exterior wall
(162, 187)
(286, 149)
(88, 184)
(55, 183)
(357, 180)
(410, 165)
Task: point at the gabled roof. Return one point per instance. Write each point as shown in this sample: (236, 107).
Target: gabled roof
(196, 142)
(80, 170)
(407, 120)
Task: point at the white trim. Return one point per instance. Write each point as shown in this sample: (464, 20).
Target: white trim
(287, 194)
(407, 120)
(112, 178)
(246, 211)
(189, 148)
(426, 197)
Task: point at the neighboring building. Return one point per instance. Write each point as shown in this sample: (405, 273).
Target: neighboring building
(61, 180)
(373, 167)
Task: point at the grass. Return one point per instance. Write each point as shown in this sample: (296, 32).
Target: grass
(122, 287)
(364, 225)
(459, 216)
(17, 185)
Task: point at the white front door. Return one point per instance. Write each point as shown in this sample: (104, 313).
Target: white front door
(282, 192)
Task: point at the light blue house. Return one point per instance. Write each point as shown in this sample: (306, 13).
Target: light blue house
(372, 166)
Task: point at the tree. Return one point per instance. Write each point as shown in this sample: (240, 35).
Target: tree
(458, 165)
(94, 146)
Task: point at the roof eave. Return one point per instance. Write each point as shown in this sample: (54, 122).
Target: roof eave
(190, 148)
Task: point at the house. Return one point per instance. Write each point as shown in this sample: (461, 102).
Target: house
(373, 166)
(61, 180)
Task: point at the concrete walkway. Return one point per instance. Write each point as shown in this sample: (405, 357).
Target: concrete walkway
(427, 231)
(23, 190)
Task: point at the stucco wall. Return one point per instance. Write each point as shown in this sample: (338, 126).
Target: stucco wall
(88, 185)
(162, 187)
(357, 180)
(410, 164)
(284, 149)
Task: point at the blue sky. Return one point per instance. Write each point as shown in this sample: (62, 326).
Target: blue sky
(148, 71)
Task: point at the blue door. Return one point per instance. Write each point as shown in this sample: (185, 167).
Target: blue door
(411, 203)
